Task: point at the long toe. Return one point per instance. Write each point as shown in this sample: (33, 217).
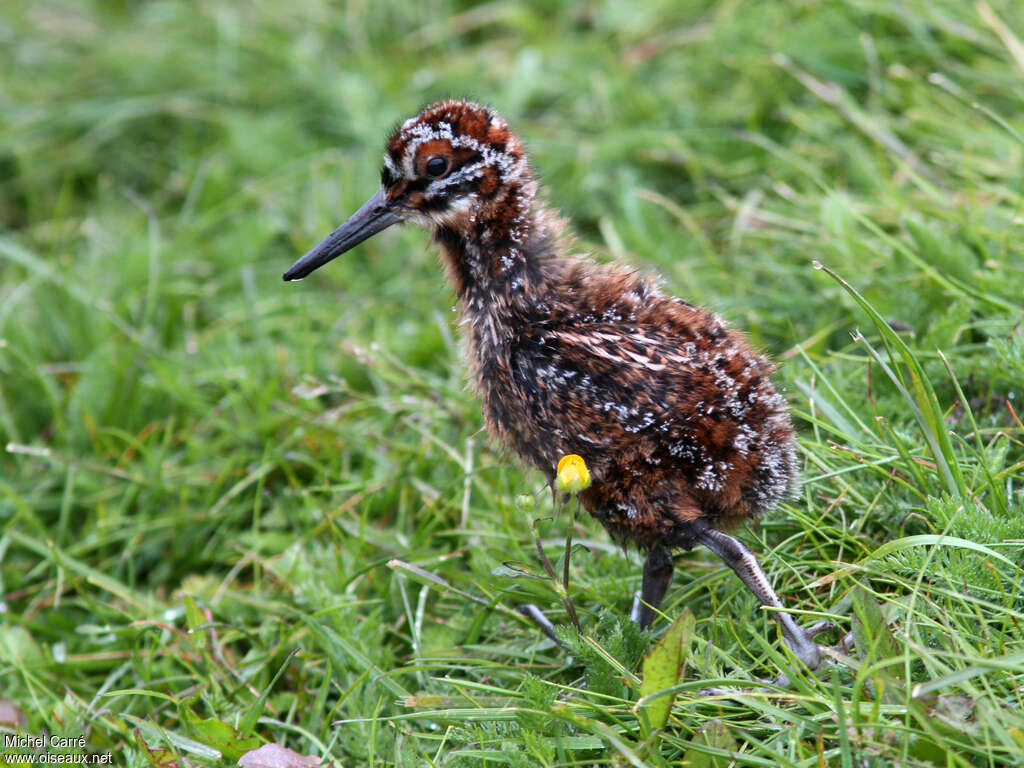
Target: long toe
(808, 652)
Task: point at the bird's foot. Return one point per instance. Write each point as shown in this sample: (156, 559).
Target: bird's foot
(801, 642)
(823, 655)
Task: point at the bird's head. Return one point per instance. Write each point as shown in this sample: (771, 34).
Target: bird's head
(453, 165)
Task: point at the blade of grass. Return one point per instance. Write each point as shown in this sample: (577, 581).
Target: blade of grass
(923, 402)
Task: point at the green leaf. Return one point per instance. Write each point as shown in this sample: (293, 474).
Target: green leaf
(716, 735)
(661, 669)
(195, 618)
(219, 735)
(871, 636)
(155, 735)
(875, 646)
(256, 708)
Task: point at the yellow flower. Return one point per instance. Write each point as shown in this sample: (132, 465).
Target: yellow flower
(573, 475)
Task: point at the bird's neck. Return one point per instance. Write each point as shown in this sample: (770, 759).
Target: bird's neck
(501, 270)
(496, 263)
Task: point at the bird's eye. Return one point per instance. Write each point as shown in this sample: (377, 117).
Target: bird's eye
(436, 166)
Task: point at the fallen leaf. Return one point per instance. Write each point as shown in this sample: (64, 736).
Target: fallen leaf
(12, 714)
(277, 756)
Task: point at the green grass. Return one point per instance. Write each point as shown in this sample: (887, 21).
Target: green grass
(235, 510)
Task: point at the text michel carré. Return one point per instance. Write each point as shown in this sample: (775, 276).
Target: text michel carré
(40, 742)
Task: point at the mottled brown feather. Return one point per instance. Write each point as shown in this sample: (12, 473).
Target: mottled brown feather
(675, 414)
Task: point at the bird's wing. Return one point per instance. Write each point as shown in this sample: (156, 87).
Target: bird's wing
(600, 381)
(647, 401)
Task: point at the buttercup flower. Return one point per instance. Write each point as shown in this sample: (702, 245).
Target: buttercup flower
(573, 475)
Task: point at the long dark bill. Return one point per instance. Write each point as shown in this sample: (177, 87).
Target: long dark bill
(374, 215)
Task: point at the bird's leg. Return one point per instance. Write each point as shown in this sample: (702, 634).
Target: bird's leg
(658, 568)
(743, 562)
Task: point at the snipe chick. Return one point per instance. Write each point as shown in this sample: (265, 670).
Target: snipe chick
(674, 413)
